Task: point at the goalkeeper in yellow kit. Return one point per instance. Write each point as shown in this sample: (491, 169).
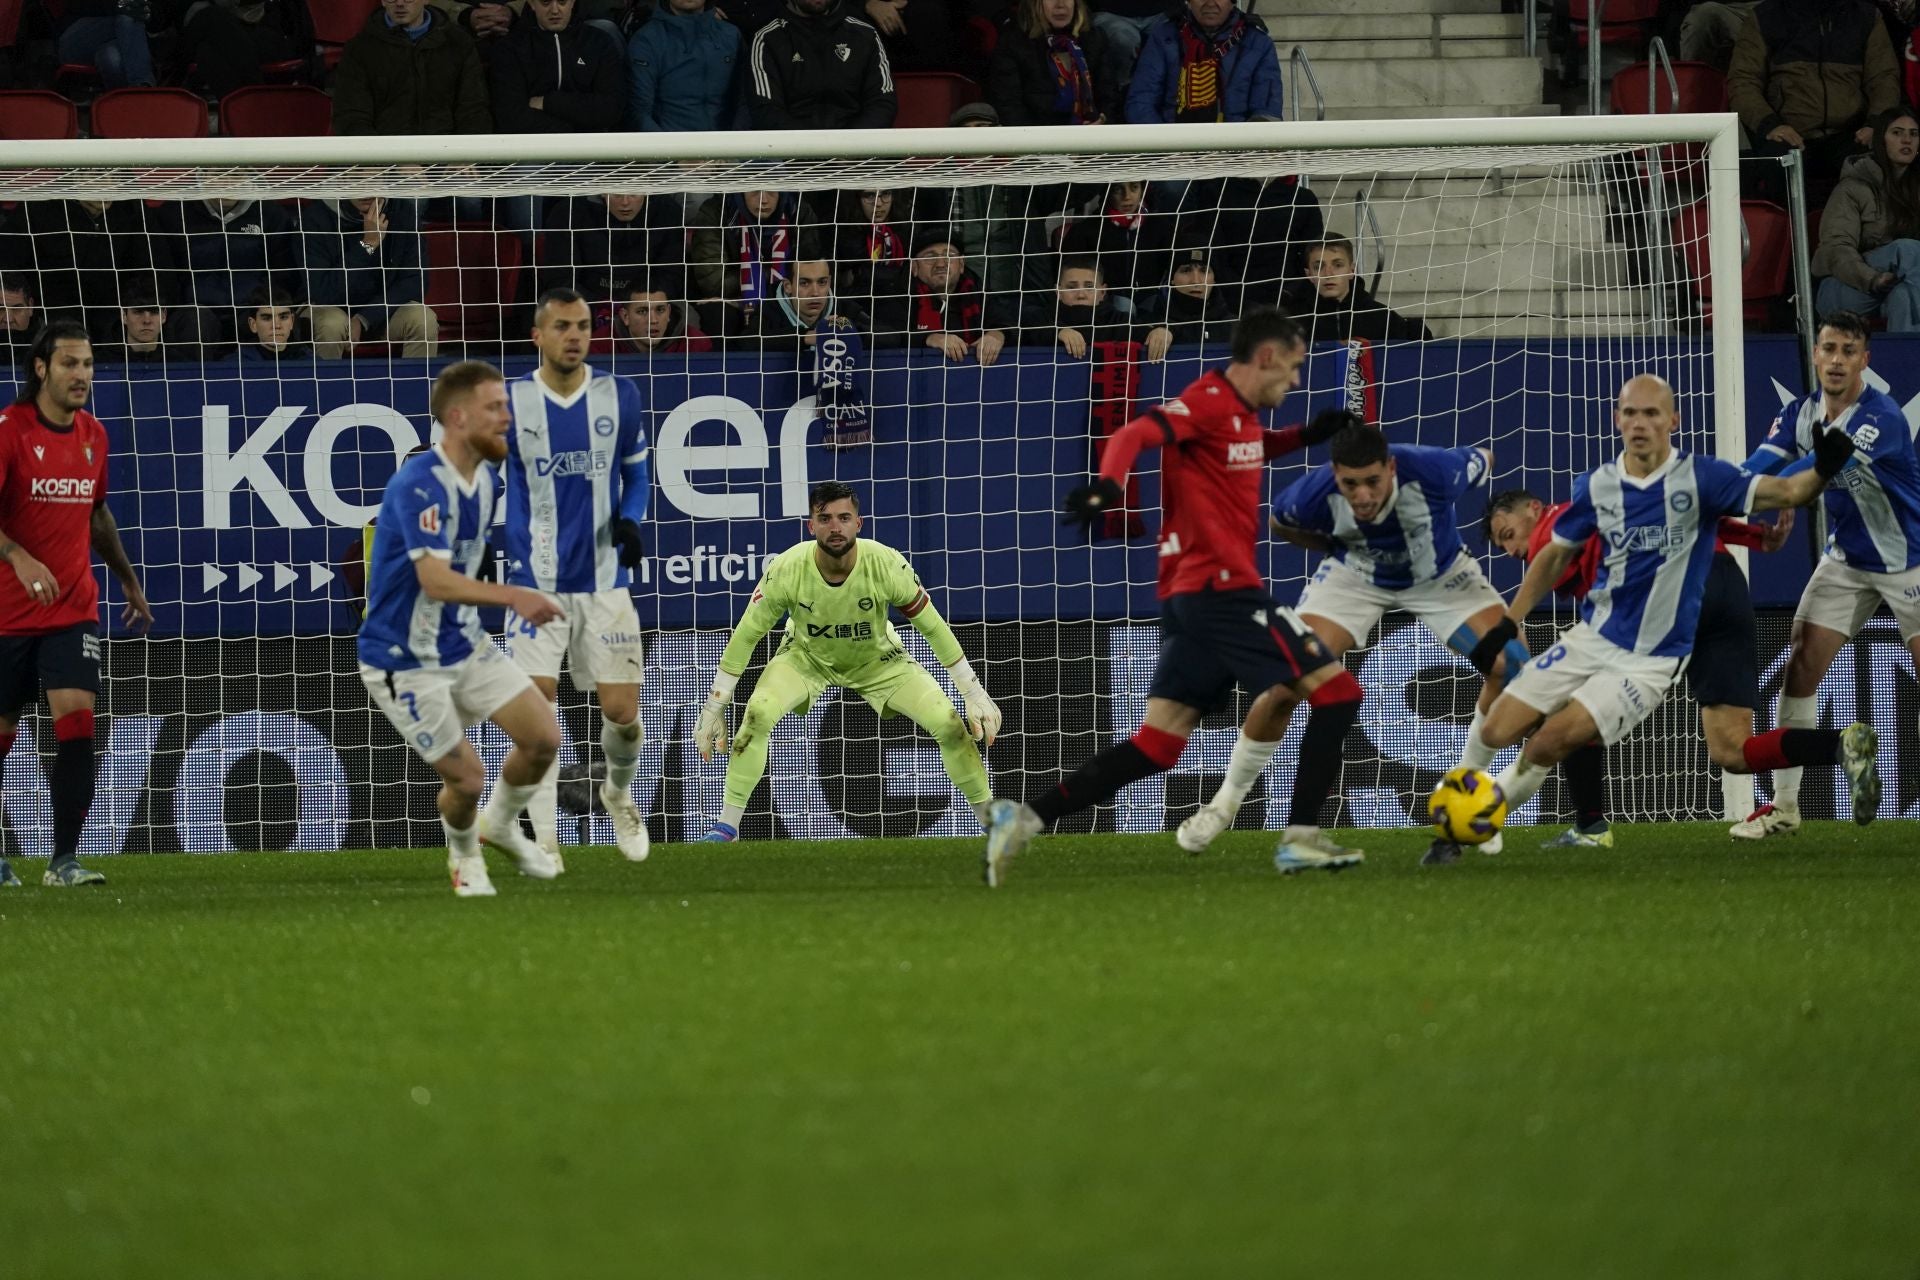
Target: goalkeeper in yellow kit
(835, 592)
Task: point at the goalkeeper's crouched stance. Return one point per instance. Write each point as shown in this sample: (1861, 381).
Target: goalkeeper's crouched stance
(835, 592)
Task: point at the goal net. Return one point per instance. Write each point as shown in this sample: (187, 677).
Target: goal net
(950, 320)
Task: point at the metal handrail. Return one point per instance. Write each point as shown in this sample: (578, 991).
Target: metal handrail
(1596, 19)
(1659, 246)
(1532, 40)
(1365, 220)
(1658, 59)
(1298, 65)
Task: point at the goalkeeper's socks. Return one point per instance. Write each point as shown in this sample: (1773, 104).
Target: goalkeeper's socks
(1586, 771)
(1148, 752)
(730, 815)
(1521, 779)
(621, 742)
(70, 785)
(1336, 705)
(1796, 748)
(1249, 760)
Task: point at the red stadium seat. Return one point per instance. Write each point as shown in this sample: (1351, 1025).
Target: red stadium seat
(928, 99)
(10, 11)
(337, 21)
(276, 111)
(1701, 89)
(1768, 250)
(149, 113)
(1621, 21)
(37, 113)
(473, 272)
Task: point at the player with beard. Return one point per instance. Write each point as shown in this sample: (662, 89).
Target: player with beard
(424, 658)
(53, 494)
(835, 591)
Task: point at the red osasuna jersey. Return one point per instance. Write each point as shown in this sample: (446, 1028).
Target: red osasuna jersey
(51, 478)
(1212, 464)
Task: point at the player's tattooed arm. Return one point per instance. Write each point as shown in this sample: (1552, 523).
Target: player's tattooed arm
(1308, 538)
(113, 553)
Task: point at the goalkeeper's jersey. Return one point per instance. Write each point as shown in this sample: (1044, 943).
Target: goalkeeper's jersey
(840, 627)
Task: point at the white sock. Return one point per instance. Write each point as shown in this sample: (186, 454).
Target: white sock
(1248, 762)
(544, 807)
(1300, 833)
(1478, 754)
(621, 742)
(1521, 779)
(509, 800)
(460, 843)
(730, 815)
(1795, 713)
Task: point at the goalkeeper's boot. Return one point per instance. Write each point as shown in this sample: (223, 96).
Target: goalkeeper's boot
(1441, 853)
(1200, 828)
(9, 880)
(69, 874)
(1313, 851)
(1598, 835)
(629, 828)
(1860, 759)
(1010, 825)
(1767, 820)
(720, 833)
(529, 857)
(470, 878)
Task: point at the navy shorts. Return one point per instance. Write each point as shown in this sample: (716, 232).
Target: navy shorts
(1724, 670)
(1212, 640)
(65, 659)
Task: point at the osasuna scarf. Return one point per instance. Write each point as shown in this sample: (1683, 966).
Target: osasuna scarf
(957, 312)
(1198, 98)
(838, 366)
(1113, 387)
(884, 244)
(763, 249)
(1073, 82)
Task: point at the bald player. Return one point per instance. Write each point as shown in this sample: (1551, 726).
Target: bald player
(1654, 509)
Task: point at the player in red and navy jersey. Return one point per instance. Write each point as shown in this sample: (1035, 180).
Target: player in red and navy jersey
(1218, 624)
(53, 495)
(1724, 674)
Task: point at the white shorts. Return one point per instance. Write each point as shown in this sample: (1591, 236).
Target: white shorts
(432, 706)
(1619, 689)
(599, 638)
(1341, 595)
(1841, 598)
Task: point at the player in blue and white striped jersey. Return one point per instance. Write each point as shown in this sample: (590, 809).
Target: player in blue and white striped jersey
(1655, 509)
(425, 661)
(577, 488)
(1873, 542)
(1384, 514)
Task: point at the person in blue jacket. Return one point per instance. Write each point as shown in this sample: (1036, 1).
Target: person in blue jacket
(684, 71)
(1205, 63)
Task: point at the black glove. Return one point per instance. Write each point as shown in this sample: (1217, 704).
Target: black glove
(1832, 450)
(1329, 423)
(1086, 505)
(626, 536)
(1491, 645)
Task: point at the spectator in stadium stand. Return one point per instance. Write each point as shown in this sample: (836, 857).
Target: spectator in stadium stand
(553, 73)
(989, 223)
(410, 70)
(228, 41)
(818, 66)
(1188, 311)
(1078, 315)
(871, 235)
(1870, 233)
(686, 71)
(365, 278)
(651, 322)
(1806, 75)
(1708, 31)
(1053, 66)
(1340, 307)
(1259, 230)
(740, 249)
(1133, 242)
(1125, 23)
(139, 334)
(273, 330)
(922, 35)
(599, 245)
(232, 249)
(944, 307)
(1207, 63)
(804, 301)
(84, 251)
(20, 320)
(111, 37)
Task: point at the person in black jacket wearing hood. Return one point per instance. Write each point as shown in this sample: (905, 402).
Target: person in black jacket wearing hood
(816, 66)
(1187, 312)
(1079, 316)
(554, 74)
(1340, 307)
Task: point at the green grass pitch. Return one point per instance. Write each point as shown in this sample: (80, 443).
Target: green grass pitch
(1680, 1058)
